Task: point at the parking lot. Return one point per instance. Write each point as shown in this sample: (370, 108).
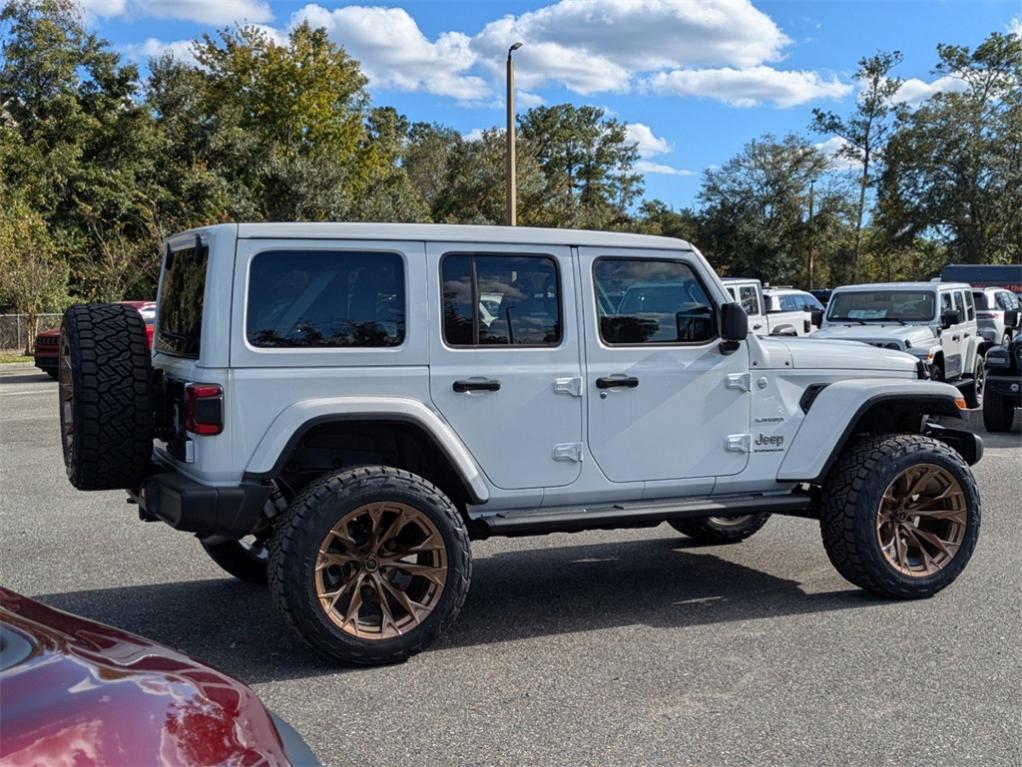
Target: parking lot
(623, 647)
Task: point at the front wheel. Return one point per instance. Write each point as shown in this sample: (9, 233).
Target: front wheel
(900, 516)
(370, 565)
(720, 530)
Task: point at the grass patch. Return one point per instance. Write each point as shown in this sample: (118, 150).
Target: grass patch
(14, 357)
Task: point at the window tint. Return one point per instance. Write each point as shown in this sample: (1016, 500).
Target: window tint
(660, 302)
(982, 300)
(326, 299)
(959, 306)
(881, 305)
(945, 303)
(970, 306)
(497, 300)
(184, 283)
(749, 299)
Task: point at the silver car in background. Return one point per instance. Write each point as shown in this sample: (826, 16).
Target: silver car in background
(991, 304)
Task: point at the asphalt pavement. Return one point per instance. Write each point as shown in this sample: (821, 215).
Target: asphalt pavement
(600, 648)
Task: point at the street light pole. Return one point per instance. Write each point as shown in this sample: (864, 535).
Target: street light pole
(511, 202)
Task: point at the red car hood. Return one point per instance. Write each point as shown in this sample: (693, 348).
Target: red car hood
(81, 693)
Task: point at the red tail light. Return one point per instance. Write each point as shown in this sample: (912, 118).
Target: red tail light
(204, 408)
(986, 315)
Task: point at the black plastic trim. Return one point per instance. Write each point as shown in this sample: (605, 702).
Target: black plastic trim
(809, 396)
(301, 431)
(187, 505)
(527, 522)
(965, 443)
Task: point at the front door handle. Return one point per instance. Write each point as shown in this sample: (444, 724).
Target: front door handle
(624, 382)
(477, 384)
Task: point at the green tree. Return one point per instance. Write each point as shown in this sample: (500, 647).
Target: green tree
(587, 162)
(754, 214)
(954, 166)
(866, 130)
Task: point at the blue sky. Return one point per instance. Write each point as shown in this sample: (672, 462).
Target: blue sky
(695, 79)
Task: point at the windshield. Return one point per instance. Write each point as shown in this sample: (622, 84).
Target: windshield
(882, 305)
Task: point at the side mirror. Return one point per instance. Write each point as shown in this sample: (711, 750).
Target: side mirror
(1011, 317)
(949, 318)
(816, 318)
(734, 322)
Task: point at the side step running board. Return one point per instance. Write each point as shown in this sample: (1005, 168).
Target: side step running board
(572, 519)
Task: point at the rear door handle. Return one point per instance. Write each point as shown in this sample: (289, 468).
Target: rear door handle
(477, 384)
(624, 382)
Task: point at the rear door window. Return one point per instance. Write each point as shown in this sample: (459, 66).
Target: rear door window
(323, 298)
(500, 300)
(749, 298)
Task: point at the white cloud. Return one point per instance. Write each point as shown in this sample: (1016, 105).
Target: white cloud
(648, 144)
(646, 167)
(749, 87)
(395, 54)
(1014, 26)
(151, 47)
(599, 45)
(914, 92)
(476, 134)
(831, 148)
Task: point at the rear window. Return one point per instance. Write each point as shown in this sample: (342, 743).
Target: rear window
(981, 300)
(323, 298)
(180, 311)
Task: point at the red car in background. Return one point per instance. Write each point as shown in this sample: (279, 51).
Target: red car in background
(75, 692)
(47, 343)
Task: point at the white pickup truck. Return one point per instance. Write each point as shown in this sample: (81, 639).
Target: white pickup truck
(766, 317)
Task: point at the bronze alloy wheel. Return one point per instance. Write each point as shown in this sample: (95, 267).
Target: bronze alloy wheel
(67, 396)
(381, 570)
(922, 520)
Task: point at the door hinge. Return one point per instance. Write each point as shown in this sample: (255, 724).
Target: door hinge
(739, 381)
(570, 452)
(572, 386)
(738, 443)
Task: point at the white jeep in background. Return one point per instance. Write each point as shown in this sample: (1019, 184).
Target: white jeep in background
(338, 409)
(934, 321)
(767, 317)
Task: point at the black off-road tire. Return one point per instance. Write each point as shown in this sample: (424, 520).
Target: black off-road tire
(300, 531)
(850, 504)
(712, 531)
(998, 412)
(245, 560)
(973, 392)
(52, 374)
(105, 353)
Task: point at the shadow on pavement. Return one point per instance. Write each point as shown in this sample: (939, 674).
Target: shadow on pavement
(26, 376)
(517, 595)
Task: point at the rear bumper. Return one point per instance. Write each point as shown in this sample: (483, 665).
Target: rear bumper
(187, 505)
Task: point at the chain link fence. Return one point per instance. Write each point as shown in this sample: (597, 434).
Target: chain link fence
(17, 331)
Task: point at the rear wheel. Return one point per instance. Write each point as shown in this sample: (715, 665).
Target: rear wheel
(718, 530)
(998, 412)
(370, 565)
(900, 516)
(106, 412)
(245, 559)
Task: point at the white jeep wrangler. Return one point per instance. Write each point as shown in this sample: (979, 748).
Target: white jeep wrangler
(934, 321)
(338, 409)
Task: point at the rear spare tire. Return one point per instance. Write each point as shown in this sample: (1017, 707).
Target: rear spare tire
(106, 412)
